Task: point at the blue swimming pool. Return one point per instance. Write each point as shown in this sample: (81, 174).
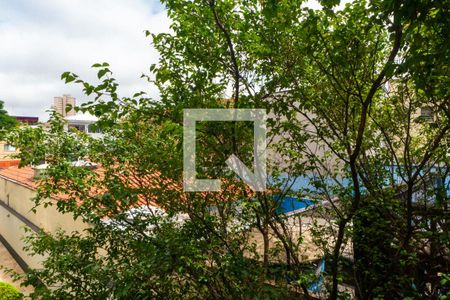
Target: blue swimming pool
(290, 204)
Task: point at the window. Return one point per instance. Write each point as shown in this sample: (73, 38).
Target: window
(93, 129)
(426, 113)
(78, 127)
(9, 148)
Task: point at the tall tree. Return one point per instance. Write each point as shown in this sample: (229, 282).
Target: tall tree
(6, 122)
(344, 89)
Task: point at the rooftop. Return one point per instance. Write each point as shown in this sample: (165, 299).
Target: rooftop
(147, 186)
(82, 117)
(23, 176)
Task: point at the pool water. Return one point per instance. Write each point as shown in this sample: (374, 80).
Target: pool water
(290, 204)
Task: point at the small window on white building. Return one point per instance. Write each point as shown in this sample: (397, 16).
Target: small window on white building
(9, 148)
(426, 113)
(81, 128)
(93, 129)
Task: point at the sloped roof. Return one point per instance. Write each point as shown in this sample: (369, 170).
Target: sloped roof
(82, 117)
(23, 176)
(147, 186)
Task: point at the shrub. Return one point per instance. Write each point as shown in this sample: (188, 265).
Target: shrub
(9, 292)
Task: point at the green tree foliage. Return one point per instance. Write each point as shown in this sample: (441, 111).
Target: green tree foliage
(6, 122)
(9, 292)
(344, 89)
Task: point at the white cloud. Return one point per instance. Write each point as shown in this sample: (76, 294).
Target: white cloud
(39, 40)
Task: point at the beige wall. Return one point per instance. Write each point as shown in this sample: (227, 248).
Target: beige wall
(6, 154)
(12, 229)
(19, 198)
(318, 148)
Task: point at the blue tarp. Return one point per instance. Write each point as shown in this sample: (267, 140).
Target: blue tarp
(315, 287)
(305, 185)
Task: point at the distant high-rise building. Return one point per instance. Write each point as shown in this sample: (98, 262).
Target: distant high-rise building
(60, 104)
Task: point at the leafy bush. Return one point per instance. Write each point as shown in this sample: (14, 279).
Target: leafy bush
(9, 292)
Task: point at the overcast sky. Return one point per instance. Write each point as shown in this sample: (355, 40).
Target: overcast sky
(40, 39)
